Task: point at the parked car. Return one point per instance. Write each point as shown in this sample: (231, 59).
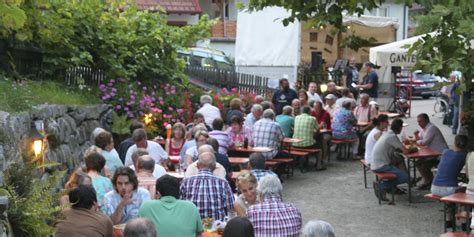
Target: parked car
(422, 84)
(206, 57)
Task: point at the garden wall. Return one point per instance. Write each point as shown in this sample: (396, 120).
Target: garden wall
(68, 130)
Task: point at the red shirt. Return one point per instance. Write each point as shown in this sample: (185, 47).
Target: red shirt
(174, 151)
(323, 116)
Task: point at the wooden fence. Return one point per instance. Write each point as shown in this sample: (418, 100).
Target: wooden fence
(84, 75)
(228, 79)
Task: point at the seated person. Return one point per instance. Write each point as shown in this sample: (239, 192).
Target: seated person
(381, 161)
(220, 158)
(190, 142)
(317, 228)
(330, 104)
(198, 118)
(139, 227)
(381, 124)
(234, 110)
(223, 137)
(451, 163)
(193, 169)
(346, 96)
(305, 127)
(175, 143)
(83, 218)
(146, 180)
(238, 227)
(122, 204)
(257, 166)
(324, 121)
(200, 138)
(247, 184)
(272, 209)
(286, 121)
(342, 126)
(238, 133)
(296, 105)
(158, 170)
(364, 113)
(332, 90)
(430, 136)
(172, 217)
(267, 133)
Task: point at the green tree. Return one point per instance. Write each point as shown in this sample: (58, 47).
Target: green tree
(448, 50)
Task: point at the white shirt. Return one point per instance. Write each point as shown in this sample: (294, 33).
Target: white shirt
(157, 173)
(193, 170)
(154, 149)
(432, 137)
(314, 97)
(193, 152)
(370, 144)
(210, 113)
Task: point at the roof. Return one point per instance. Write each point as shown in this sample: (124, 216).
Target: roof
(171, 6)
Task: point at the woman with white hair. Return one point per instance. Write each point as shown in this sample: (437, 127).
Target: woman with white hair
(317, 228)
(209, 111)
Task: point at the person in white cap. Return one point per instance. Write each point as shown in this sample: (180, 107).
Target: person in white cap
(330, 105)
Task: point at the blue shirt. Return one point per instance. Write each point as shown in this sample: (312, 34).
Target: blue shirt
(372, 78)
(112, 199)
(286, 123)
(182, 153)
(449, 167)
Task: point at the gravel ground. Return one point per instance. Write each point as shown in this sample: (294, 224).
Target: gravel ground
(338, 196)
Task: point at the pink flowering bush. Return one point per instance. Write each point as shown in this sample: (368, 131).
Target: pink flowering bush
(222, 98)
(166, 103)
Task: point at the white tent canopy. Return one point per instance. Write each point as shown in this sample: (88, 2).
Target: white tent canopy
(393, 54)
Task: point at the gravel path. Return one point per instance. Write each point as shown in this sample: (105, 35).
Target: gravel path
(338, 196)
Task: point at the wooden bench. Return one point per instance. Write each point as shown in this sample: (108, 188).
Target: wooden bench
(287, 163)
(365, 168)
(384, 176)
(298, 155)
(345, 144)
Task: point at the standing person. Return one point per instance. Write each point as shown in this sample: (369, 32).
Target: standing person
(105, 142)
(253, 116)
(381, 162)
(209, 111)
(95, 163)
(175, 143)
(267, 133)
(430, 136)
(83, 218)
(370, 84)
(141, 141)
(381, 124)
(122, 204)
(454, 100)
(283, 96)
(286, 121)
(127, 143)
(211, 194)
(272, 217)
(312, 92)
(223, 137)
(451, 163)
(234, 110)
(172, 217)
(351, 73)
(247, 184)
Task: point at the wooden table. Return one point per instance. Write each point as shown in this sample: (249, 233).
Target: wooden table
(252, 149)
(391, 115)
(463, 199)
(423, 152)
(290, 140)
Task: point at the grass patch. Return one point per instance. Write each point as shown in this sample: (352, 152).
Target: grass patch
(17, 97)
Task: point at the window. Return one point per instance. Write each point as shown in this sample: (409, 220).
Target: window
(329, 39)
(313, 36)
(383, 11)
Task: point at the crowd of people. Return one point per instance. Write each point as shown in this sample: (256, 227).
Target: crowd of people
(131, 186)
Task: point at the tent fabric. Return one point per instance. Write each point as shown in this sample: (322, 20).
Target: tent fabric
(371, 21)
(262, 40)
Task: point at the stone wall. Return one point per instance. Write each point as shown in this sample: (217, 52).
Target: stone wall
(68, 132)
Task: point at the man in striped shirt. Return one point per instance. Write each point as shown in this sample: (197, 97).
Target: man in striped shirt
(272, 217)
(225, 141)
(212, 195)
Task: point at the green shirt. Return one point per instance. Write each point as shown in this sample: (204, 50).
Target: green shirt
(286, 123)
(172, 217)
(305, 125)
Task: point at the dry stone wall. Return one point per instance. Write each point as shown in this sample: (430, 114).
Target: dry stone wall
(68, 132)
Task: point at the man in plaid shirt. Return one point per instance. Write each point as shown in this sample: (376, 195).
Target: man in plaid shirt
(257, 165)
(211, 194)
(272, 217)
(267, 133)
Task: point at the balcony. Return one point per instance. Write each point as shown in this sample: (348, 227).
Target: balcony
(224, 32)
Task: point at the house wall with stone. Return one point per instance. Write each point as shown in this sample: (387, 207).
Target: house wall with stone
(68, 132)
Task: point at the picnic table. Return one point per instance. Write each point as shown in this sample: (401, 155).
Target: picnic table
(412, 158)
(462, 199)
(238, 160)
(251, 149)
(391, 115)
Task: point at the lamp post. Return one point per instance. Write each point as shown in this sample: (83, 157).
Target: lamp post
(38, 140)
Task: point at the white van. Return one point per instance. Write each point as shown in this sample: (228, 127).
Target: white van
(206, 57)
